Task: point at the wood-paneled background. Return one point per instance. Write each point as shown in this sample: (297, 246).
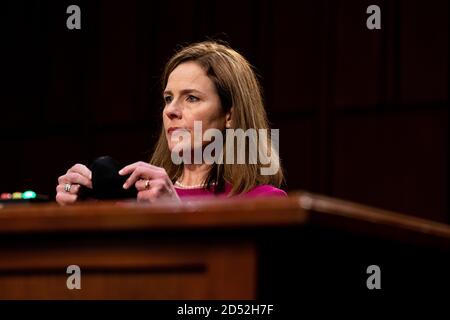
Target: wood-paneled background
(363, 114)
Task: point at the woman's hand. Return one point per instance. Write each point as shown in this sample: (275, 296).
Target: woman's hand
(152, 182)
(69, 184)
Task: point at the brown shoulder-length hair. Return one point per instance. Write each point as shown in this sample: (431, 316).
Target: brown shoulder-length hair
(238, 88)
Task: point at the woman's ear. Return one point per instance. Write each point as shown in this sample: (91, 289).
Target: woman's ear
(228, 118)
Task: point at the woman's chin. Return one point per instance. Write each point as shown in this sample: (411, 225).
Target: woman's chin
(179, 148)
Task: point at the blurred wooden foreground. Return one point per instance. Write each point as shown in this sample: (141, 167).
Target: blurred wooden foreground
(217, 249)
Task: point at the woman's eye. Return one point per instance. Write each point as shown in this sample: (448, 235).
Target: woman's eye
(191, 98)
(167, 99)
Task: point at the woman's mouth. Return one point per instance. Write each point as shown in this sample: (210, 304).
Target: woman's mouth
(172, 129)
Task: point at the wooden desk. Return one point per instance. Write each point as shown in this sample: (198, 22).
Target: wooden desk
(221, 249)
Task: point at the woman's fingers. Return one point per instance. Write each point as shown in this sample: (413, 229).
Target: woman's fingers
(143, 172)
(151, 182)
(143, 184)
(147, 195)
(65, 198)
(81, 169)
(131, 167)
(159, 184)
(74, 188)
(158, 189)
(155, 194)
(75, 178)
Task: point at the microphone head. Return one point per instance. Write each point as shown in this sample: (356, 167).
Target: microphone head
(106, 181)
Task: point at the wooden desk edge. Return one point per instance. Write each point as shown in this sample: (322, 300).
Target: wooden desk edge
(300, 208)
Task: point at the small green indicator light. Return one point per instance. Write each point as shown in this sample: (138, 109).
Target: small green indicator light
(29, 195)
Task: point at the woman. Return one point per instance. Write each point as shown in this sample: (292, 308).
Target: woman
(212, 85)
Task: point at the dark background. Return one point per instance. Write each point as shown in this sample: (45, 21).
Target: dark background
(363, 114)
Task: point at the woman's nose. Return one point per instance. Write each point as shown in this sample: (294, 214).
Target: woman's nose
(173, 111)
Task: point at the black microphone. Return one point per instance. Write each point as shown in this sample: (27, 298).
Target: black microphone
(107, 184)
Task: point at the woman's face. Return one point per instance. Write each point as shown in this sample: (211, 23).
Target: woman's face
(190, 95)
